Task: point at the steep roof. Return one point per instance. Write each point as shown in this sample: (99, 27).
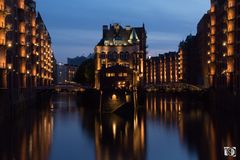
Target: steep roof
(117, 33)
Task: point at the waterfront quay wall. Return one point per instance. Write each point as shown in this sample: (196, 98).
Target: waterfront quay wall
(15, 101)
(213, 99)
(223, 99)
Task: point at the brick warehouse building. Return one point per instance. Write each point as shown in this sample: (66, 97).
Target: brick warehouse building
(120, 57)
(26, 56)
(224, 54)
(162, 69)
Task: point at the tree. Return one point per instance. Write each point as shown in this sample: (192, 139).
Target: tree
(85, 73)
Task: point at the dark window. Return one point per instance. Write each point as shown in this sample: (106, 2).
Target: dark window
(103, 55)
(110, 55)
(124, 55)
(115, 56)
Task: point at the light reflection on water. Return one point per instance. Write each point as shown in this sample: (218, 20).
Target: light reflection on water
(165, 127)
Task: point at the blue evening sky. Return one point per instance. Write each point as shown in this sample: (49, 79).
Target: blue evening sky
(76, 25)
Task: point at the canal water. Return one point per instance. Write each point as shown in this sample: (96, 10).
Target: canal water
(163, 128)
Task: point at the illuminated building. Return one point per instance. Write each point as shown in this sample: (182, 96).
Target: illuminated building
(65, 73)
(162, 69)
(193, 67)
(44, 54)
(120, 57)
(189, 65)
(224, 44)
(189, 61)
(26, 57)
(203, 38)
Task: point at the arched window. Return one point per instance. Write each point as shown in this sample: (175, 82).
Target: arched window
(110, 55)
(122, 55)
(126, 55)
(115, 56)
(103, 55)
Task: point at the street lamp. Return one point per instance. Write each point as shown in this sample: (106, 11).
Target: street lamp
(10, 80)
(9, 66)
(9, 44)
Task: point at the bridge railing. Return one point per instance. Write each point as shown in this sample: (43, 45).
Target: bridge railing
(172, 87)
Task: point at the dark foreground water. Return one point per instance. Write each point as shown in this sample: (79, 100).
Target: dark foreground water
(164, 128)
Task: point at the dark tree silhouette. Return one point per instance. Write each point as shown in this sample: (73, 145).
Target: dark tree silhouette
(85, 72)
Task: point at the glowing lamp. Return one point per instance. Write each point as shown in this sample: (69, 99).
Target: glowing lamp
(114, 97)
(9, 66)
(9, 45)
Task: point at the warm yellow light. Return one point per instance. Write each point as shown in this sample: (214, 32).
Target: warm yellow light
(212, 9)
(114, 129)
(224, 43)
(231, 14)
(9, 66)
(114, 97)
(9, 45)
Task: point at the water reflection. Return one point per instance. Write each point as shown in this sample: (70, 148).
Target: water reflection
(28, 137)
(117, 137)
(165, 127)
(204, 133)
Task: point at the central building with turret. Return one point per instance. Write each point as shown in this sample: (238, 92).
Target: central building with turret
(120, 58)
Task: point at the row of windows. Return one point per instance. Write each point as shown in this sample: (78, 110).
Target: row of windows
(103, 62)
(115, 55)
(114, 74)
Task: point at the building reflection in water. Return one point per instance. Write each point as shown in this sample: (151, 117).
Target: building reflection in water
(203, 132)
(28, 138)
(116, 136)
(198, 133)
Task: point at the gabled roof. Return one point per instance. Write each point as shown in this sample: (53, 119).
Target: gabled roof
(116, 32)
(133, 37)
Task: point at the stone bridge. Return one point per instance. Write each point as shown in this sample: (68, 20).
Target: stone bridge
(72, 87)
(172, 87)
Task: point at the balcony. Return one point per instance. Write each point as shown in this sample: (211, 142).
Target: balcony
(2, 43)
(2, 11)
(231, 14)
(2, 27)
(2, 66)
(231, 4)
(21, 4)
(8, 28)
(5, 12)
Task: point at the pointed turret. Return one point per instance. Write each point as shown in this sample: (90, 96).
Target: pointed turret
(133, 37)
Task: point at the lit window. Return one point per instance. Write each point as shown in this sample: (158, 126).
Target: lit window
(112, 74)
